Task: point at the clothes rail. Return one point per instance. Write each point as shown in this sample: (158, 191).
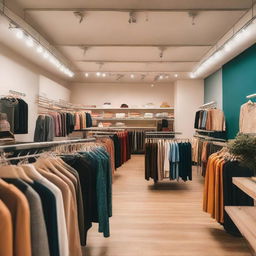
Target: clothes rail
(209, 138)
(6, 158)
(35, 145)
(251, 96)
(208, 105)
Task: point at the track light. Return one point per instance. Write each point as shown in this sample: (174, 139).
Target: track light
(46, 54)
(132, 17)
(19, 34)
(80, 16)
(39, 49)
(30, 42)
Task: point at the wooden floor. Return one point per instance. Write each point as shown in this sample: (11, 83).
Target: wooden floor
(166, 220)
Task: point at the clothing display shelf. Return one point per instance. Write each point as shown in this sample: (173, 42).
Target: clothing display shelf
(118, 128)
(244, 217)
(208, 138)
(47, 104)
(130, 119)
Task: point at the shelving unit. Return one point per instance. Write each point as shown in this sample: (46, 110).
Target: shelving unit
(244, 217)
(131, 120)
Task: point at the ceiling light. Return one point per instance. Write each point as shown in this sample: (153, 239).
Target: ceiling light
(192, 75)
(176, 75)
(80, 16)
(30, 42)
(20, 34)
(104, 74)
(39, 49)
(86, 74)
(161, 77)
(132, 76)
(46, 54)
(98, 74)
(152, 85)
(166, 76)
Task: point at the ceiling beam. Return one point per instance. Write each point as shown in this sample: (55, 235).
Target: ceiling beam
(134, 9)
(134, 61)
(133, 45)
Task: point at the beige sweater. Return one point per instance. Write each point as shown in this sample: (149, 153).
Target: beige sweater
(247, 121)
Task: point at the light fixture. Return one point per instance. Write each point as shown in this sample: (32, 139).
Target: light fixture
(104, 74)
(176, 75)
(39, 49)
(235, 41)
(132, 76)
(19, 34)
(152, 85)
(29, 42)
(192, 75)
(132, 17)
(161, 77)
(98, 74)
(86, 74)
(46, 54)
(166, 76)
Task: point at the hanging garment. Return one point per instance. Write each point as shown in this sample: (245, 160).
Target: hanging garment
(247, 122)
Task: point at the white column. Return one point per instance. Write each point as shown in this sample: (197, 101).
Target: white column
(188, 96)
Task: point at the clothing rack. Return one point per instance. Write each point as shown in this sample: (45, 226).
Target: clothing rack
(208, 105)
(37, 145)
(251, 96)
(209, 138)
(161, 134)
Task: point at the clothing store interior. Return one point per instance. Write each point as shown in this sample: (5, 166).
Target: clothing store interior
(127, 128)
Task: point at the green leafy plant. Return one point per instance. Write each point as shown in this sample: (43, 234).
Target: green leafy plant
(244, 147)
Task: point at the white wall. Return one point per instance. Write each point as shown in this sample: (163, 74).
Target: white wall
(53, 90)
(188, 96)
(131, 94)
(18, 74)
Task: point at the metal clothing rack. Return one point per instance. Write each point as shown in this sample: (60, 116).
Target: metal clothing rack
(160, 134)
(40, 145)
(251, 96)
(209, 138)
(208, 105)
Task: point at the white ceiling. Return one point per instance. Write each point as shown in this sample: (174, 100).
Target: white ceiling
(105, 41)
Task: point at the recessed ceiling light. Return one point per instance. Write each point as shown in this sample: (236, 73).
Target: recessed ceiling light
(132, 76)
(176, 75)
(98, 74)
(86, 74)
(104, 74)
(161, 77)
(152, 85)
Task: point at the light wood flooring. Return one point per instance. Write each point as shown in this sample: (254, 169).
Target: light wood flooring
(162, 220)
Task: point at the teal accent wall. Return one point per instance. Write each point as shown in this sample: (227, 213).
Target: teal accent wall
(239, 80)
(213, 88)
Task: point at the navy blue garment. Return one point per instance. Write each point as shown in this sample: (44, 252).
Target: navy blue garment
(50, 215)
(88, 120)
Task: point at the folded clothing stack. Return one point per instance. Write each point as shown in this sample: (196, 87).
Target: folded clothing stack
(163, 114)
(148, 115)
(119, 124)
(108, 115)
(120, 115)
(134, 115)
